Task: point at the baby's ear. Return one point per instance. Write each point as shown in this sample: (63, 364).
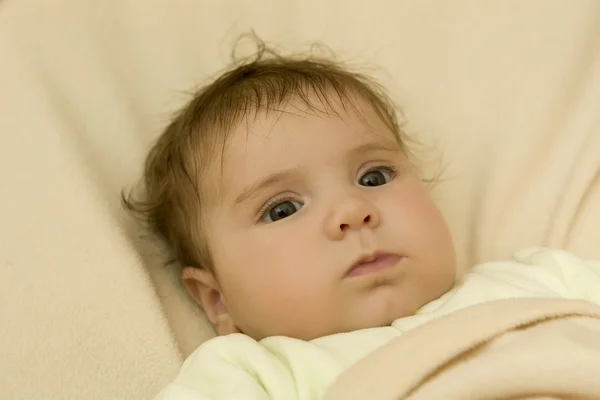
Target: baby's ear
(204, 288)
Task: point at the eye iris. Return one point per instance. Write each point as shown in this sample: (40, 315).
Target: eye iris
(282, 210)
(373, 178)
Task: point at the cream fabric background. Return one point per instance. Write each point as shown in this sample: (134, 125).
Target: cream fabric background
(508, 90)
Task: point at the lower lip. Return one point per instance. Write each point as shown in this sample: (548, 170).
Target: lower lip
(381, 263)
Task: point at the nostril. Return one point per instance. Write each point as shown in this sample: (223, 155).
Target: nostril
(343, 227)
(367, 219)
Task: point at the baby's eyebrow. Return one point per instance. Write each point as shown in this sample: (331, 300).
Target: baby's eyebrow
(389, 146)
(270, 180)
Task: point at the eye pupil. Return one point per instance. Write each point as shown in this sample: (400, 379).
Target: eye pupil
(373, 178)
(282, 210)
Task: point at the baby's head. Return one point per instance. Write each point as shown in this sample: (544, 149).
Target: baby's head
(286, 191)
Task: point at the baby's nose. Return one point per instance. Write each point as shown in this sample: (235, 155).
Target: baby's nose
(352, 214)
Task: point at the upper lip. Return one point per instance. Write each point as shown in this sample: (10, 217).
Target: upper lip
(365, 258)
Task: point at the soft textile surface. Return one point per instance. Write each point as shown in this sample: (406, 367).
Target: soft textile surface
(519, 349)
(507, 91)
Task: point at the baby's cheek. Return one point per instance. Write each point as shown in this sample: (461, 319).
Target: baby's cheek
(280, 252)
(420, 210)
(286, 264)
(254, 269)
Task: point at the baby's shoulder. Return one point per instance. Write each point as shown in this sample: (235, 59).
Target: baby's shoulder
(538, 271)
(541, 258)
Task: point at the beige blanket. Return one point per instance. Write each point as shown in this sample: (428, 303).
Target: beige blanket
(509, 349)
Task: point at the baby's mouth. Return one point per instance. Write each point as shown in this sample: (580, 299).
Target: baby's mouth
(373, 263)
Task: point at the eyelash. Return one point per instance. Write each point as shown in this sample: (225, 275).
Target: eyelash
(393, 171)
(266, 208)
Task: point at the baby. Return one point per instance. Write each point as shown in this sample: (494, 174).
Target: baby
(289, 194)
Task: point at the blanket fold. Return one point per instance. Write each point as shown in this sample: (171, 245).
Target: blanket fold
(508, 349)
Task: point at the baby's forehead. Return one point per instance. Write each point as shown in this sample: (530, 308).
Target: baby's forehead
(296, 136)
(295, 120)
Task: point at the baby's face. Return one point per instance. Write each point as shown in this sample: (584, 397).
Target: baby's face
(323, 227)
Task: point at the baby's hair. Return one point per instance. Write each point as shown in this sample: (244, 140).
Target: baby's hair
(174, 192)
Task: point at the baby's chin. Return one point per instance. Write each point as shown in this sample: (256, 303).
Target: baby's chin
(324, 331)
(351, 327)
(376, 321)
(381, 314)
(356, 324)
(368, 314)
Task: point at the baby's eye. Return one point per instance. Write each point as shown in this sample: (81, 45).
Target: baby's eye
(282, 210)
(376, 177)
